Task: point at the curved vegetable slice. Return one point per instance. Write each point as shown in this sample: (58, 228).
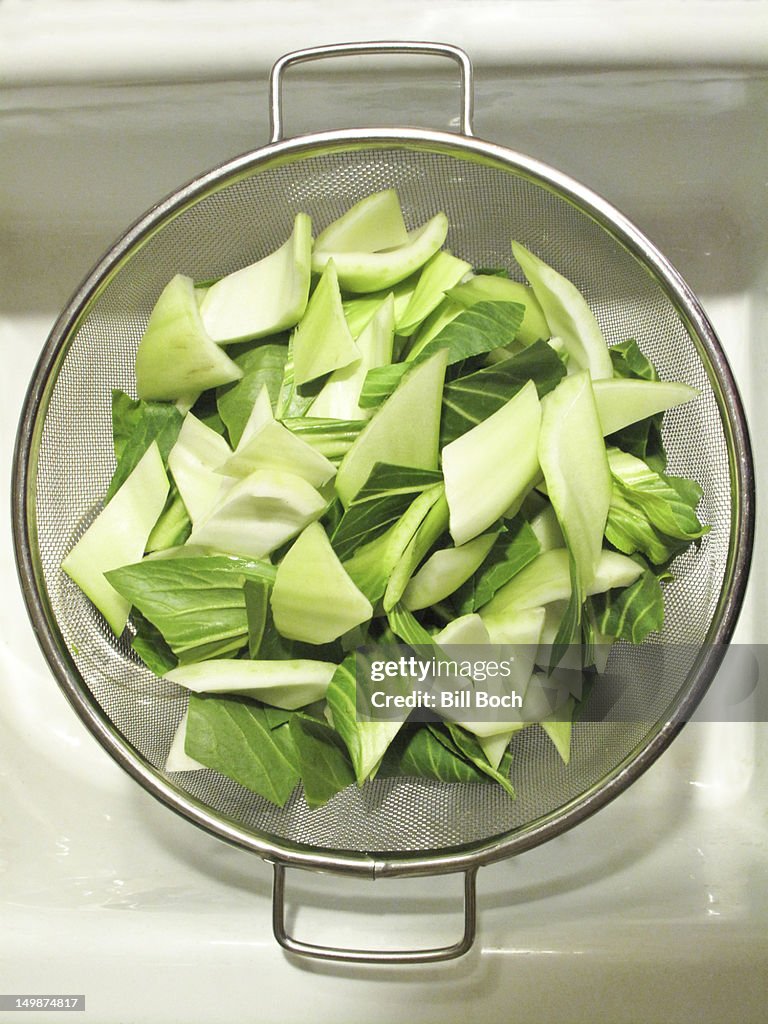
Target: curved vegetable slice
(445, 571)
(575, 466)
(405, 431)
(567, 314)
(313, 597)
(371, 271)
(441, 272)
(176, 357)
(460, 640)
(340, 396)
(267, 444)
(193, 461)
(259, 513)
(118, 537)
(493, 465)
(547, 578)
(265, 297)
(375, 222)
(623, 400)
(322, 342)
(485, 287)
(284, 684)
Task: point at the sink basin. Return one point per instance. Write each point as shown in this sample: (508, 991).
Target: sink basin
(653, 910)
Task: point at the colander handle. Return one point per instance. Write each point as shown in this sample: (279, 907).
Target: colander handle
(373, 956)
(313, 53)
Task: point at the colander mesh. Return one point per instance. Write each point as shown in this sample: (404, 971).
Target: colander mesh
(245, 217)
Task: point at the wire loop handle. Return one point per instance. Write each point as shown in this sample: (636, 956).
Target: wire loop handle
(314, 53)
(374, 956)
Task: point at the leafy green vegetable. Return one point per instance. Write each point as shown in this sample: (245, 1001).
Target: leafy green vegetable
(135, 425)
(441, 272)
(514, 548)
(567, 314)
(331, 438)
(633, 613)
(340, 395)
(173, 526)
(445, 571)
(427, 753)
(193, 602)
(234, 736)
(373, 563)
(379, 504)
(475, 331)
(150, 646)
(669, 504)
(313, 598)
(465, 745)
(265, 297)
(481, 480)
(323, 760)
(176, 357)
(469, 400)
(628, 360)
(263, 365)
(430, 437)
(499, 288)
(322, 342)
(119, 535)
(415, 402)
(575, 467)
(371, 270)
(256, 594)
(366, 741)
(282, 684)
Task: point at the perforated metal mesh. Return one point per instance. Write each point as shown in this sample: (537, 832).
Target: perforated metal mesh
(242, 218)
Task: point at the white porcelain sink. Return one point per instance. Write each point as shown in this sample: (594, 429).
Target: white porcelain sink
(656, 909)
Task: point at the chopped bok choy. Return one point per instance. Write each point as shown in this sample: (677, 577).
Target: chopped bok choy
(364, 444)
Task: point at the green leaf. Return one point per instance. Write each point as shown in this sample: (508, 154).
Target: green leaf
(630, 531)
(193, 601)
(629, 361)
(150, 646)
(373, 563)
(426, 753)
(256, 594)
(174, 525)
(366, 741)
(135, 425)
(405, 431)
(430, 529)
(469, 400)
(323, 759)
(633, 613)
(643, 438)
(379, 504)
(475, 331)
(464, 744)
(234, 736)
(263, 365)
(666, 505)
(513, 549)
(207, 411)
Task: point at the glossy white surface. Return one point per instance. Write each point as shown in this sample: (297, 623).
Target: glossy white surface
(654, 910)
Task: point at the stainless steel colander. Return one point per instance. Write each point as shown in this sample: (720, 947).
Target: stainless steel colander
(232, 216)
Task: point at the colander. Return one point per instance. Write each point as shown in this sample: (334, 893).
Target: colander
(238, 213)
